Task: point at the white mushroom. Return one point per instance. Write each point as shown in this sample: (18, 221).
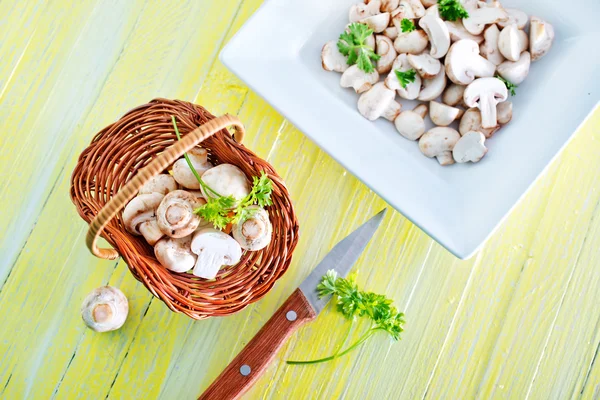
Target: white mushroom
(453, 95)
(162, 184)
(139, 216)
(504, 111)
(458, 32)
(226, 180)
(412, 89)
(489, 49)
(388, 5)
(438, 35)
(403, 11)
(511, 43)
(359, 80)
(429, 3)
(470, 5)
(515, 16)
(470, 148)
(214, 249)
(417, 7)
(438, 142)
(182, 172)
(541, 36)
(175, 214)
(391, 32)
(464, 64)
(433, 10)
(485, 93)
(411, 124)
(361, 11)
(425, 65)
(175, 254)
(515, 71)
(378, 22)
(332, 59)
(471, 121)
(105, 309)
(414, 42)
(254, 233)
(442, 114)
(481, 17)
(433, 88)
(379, 102)
(385, 49)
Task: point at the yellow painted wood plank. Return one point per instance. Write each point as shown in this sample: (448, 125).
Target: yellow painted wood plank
(591, 391)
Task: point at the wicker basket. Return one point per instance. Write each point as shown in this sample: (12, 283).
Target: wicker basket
(142, 144)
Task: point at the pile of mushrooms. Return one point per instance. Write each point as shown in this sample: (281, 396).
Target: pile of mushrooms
(456, 64)
(163, 213)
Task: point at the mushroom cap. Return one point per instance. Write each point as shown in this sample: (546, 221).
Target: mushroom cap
(175, 214)
(388, 5)
(254, 233)
(139, 210)
(426, 65)
(453, 95)
(489, 49)
(438, 142)
(417, 7)
(361, 11)
(182, 172)
(433, 88)
(515, 16)
(332, 59)
(226, 180)
(412, 90)
(458, 32)
(214, 249)
(541, 36)
(463, 63)
(438, 35)
(504, 111)
(385, 49)
(359, 80)
(485, 93)
(516, 71)
(391, 32)
(481, 17)
(175, 254)
(442, 114)
(377, 22)
(470, 147)
(105, 309)
(414, 42)
(410, 124)
(471, 121)
(163, 184)
(377, 101)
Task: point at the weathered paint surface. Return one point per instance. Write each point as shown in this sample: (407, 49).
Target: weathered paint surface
(519, 320)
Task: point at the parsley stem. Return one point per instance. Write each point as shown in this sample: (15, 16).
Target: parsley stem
(343, 342)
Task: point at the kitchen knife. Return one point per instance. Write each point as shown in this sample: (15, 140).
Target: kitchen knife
(301, 307)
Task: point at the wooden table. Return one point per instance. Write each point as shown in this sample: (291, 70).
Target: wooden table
(521, 319)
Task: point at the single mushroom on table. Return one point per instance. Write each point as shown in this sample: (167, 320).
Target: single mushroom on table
(485, 94)
(105, 309)
(410, 90)
(489, 49)
(175, 214)
(182, 172)
(387, 52)
(175, 254)
(226, 180)
(438, 142)
(541, 36)
(426, 65)
(411, 123)
(453, 95)
(139, 217)
(470, 148)
(361, 10)
(379, 102)
(414, 42)
(512, 42)
(442, 114)
(254, 232)
(481, 17)
(438, 35)
(162, 184)
(332, 59)
(464, 64)
(214, 249)
(359, 80)
(515, 71)
(433, 88)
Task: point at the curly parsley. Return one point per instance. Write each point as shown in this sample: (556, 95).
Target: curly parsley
(510, 86)
(407, 25)
(353, 45)
(406, 77)
(451, 10)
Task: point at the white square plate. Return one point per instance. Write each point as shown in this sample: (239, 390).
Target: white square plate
(277, 54)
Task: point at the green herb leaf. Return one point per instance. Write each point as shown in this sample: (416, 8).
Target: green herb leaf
(510, 86)
(353, 45)
(407, 25)
(451, 10)
(406, 77)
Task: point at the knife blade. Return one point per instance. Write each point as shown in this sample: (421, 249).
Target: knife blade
(301, 307)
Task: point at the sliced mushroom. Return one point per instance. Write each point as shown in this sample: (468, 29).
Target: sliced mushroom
(412, 89)
(470, 148)
(541, 36)
(458, 32)
(489, 49)
(404, 10)
(162, 183)
(433, 10)
(391, 32)
(214, 249)
(139, 216)
(378, 22)
(359, 80)
(516, 17)
(464, 64)
(429, 3)
(471, 121)
(226, 180)
(411, 123)
(511, 43)
(453, 95)
(442, 114)
(504, 111)
(417, 7)
(414, 42)
(425, 65)
(182, 172)
(105, 309)
(254, 232)
(175, 254)
(438, 142)
(438, 35)
(175, 214)
(385, 49)
(379, 102)
(485, 94)
(389, 5)
(515, 71)
(361, 11)
(470, 5)
(433, 88)
(481, 17)
(332, 59)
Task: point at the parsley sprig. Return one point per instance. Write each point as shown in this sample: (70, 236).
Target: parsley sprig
(352, 43)
(406, 77)
(407, 25)
(451, 10)
(509, 85)
(352, 303)
(223, 210)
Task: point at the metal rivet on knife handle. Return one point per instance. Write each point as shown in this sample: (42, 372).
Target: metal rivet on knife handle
(291, 315)
(245, 370)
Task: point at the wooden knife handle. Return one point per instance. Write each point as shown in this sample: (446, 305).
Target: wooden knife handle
(247, 367)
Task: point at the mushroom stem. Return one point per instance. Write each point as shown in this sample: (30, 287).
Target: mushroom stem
(488, 110)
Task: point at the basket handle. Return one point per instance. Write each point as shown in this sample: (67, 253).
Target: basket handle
(157, 166)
